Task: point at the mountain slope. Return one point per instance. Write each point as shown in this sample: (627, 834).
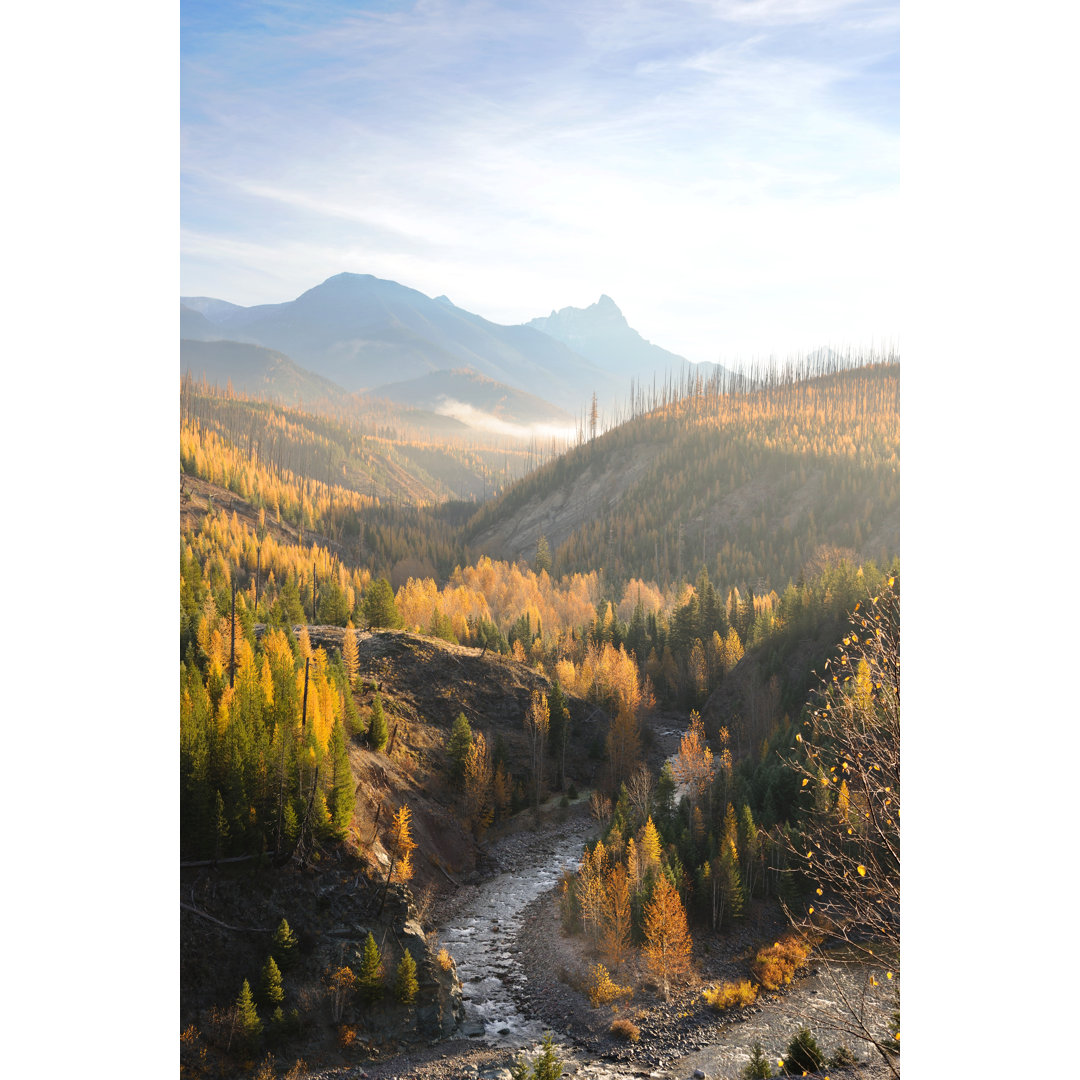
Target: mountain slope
(750, 485)
(601, 333)
(354, 328)
(255, 370)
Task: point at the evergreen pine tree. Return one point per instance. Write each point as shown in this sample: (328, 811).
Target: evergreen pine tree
(406, 987)
(271, 992)
(457, 748)
(548, 1066)
(247, 1016)
(543, 555)
(378, 734)
(379, 606)
(803, 1054)
(342, 786)
(560, 729)
(758, 1067)
(369, 977)
(285, 945)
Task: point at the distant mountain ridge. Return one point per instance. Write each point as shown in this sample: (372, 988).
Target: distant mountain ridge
(361, 332)
(356, 329)
(601, 334)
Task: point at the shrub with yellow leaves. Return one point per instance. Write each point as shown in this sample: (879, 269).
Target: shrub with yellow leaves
(728, 995)
(601, 988)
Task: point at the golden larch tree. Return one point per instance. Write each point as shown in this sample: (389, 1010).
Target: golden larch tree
(400, 844)
(350, 654)
(617, 916)
(694, 765)
(478, 785)
(650, 846)
(667, 939)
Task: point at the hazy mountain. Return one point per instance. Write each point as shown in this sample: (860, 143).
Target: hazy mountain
(355, 329)
(601, 334)
(255, 370)
(447, 391)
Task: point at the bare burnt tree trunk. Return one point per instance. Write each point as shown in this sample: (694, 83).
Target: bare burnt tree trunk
(232, 636)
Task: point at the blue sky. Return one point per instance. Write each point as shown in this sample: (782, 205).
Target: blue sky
(726, 170)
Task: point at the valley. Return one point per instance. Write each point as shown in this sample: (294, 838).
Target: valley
(516, 735)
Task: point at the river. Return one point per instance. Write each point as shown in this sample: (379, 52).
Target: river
(479, 926)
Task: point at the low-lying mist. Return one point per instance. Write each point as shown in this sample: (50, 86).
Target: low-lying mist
(485, 421)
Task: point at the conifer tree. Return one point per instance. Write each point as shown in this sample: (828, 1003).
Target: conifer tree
(478, 786)
(406, 987)
(247, 1016)
(758, 1067)
(617, 916)
(401, 845)
(272, 991)
(458, 746)
(285, 943)
(559, 715)
(377, 730)
(650, 846)
(667, 939)
(537, 723)
(728, 896)
(342, 800)
(321, 824)
(369, 977)
(350, 655)
(379, 606)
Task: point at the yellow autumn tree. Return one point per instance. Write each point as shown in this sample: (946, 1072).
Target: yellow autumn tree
(350, 654)
(694, 764)
(478, 785)
(537, 723)
(667, 939)
(615, 942)
(400, 845)
(650, 846)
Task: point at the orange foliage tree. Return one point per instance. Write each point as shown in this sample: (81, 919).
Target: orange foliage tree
(667, 939)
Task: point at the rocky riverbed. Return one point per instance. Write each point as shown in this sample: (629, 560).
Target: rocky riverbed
(520, 972)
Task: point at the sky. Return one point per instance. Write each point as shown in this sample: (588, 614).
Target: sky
(726, 170)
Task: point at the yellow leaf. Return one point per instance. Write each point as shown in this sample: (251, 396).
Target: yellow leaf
(862, 871)
(819, 892)
(888, 974)
(811, 911)
(805, 782)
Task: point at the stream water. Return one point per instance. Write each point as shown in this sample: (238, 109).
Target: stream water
(479, 934)
(480, 928)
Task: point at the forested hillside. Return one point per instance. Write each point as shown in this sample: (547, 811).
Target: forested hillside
(748, 485)
(370, 668)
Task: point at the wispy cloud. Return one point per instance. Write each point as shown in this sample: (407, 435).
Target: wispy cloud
(523, 156)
